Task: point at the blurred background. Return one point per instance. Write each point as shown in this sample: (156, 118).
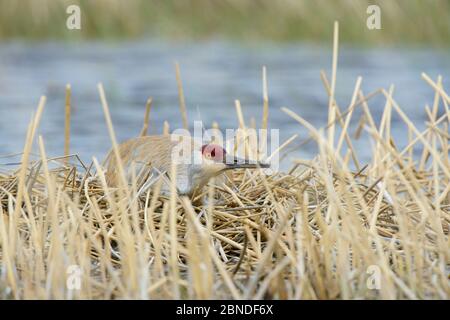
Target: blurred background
(221, 46)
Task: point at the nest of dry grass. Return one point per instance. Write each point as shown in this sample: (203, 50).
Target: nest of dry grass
(242, 219)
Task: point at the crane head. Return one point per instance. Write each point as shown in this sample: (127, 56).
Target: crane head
(216, 157)
(214, 161)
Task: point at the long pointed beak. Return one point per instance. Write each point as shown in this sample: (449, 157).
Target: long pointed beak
(240, 163)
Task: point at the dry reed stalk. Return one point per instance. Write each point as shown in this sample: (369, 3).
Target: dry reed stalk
(181, 97)
(122, 178)
(265, 118)
(166, 128)
(148, 106)
(26, 153)
(67, 121)
(331, 103)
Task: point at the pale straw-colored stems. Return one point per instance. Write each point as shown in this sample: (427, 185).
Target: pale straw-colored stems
(67, 121)
(203, 232)
(181, 97)
(121, 173)
(332, 102)
(148, 107)
(173, 229)
(26, 154)
(340, 116)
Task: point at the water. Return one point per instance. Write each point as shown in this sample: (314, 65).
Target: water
(214, 74)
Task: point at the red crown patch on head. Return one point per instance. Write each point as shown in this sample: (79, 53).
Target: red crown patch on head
(213, 151)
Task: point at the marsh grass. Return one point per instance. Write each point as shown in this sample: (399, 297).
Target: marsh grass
(314, 232)
(403, 21)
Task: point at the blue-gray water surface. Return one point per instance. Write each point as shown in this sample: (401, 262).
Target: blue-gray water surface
(214, 74)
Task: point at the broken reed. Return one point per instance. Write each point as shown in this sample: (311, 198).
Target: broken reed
(312, 233)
